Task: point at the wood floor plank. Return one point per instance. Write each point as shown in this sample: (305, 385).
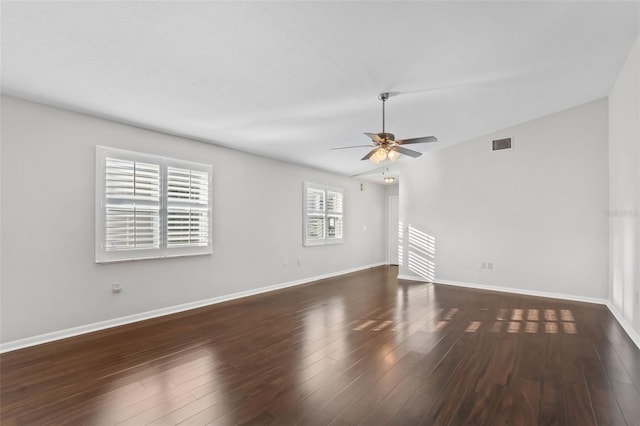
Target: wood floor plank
(362, 348)
(611, 363)
(551, 411)
(414, 410)
(603, 399)
(387, 409)
(577, 404)
(462, 381)
(628, 399)
(526, 402)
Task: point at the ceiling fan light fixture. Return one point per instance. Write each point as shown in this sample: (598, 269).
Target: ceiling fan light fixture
(393, 155)
(379, 156)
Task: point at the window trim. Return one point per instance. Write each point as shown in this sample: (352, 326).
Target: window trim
(326, 214)
(104, 256)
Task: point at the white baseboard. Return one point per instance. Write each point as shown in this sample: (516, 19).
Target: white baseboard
(615, 312)
(89, 328)
(412, 278)
(633, 335)
(571, 297)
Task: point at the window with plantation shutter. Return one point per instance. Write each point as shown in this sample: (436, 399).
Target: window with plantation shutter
(150, 207)
(323, 215)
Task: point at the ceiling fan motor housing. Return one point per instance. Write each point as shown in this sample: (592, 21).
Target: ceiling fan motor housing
(387, 137)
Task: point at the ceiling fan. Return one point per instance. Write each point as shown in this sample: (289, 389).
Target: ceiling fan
(385, 144)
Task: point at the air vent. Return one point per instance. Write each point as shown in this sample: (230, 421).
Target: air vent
(502, 144)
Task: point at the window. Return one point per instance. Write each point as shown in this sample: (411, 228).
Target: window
(323, 210)
(150, 207)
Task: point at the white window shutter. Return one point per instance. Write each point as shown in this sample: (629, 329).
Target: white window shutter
(187, 227)
(315, 227)
(315, 200)
(187, 211)
(334, 215)
(199, 187)
(334, 202)
(132, 205)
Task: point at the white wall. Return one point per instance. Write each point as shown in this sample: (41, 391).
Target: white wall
(537, 211)
(49, 281)
(389, 191)
(624, 190)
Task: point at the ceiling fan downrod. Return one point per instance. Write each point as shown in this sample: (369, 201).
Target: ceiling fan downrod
(383, 97)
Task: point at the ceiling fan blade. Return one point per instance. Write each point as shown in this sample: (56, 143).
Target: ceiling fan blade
(366, 157)
(418, 140)
(353, 146)
(374, 137)
(409, 152)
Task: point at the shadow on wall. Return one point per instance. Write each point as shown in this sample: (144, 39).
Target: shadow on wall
(421, 252)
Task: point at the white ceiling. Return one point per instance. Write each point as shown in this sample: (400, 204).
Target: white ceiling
(290, 80)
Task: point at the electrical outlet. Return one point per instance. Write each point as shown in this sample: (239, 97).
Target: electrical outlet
(490, 265)
(285, 264)
(115, 288)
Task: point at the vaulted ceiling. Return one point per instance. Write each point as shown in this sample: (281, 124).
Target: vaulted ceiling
(291, 80)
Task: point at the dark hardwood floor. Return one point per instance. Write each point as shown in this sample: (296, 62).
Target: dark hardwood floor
(356, 349)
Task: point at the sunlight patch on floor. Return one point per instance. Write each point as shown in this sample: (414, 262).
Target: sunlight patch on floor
(513, 319)
(473, 326)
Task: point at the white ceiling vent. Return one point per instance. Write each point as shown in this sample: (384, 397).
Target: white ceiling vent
(499, 144)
